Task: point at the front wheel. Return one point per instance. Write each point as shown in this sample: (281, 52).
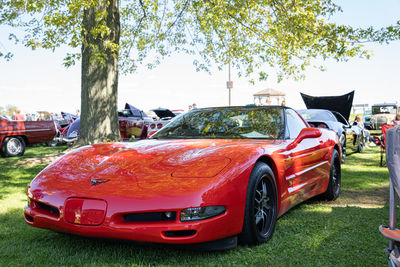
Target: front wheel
(261, 206)
(335, 178)
(13, 146)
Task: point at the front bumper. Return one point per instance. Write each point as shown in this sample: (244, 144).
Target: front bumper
(114, 226)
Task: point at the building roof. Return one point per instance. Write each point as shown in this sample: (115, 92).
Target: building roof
(269, 92)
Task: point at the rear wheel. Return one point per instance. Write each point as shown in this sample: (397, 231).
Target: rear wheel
(261, 206)
(335, 178)
(359, 143)
(342, 141)
(13, 146)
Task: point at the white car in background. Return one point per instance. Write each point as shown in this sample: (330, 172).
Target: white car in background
(163, 117)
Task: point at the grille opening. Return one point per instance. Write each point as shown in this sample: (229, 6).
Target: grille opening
(28, 218)
(150, 217)
(50, 210)
(182, 233)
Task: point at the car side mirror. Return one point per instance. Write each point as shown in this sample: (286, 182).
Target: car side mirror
(306, 133)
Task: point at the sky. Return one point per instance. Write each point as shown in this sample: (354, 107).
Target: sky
(37, 80)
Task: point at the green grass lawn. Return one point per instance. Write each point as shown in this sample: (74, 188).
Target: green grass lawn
(315, 233)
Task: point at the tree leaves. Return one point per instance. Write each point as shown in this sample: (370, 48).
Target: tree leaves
(256, 36)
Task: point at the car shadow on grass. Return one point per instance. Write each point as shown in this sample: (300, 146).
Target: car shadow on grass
(308, 235)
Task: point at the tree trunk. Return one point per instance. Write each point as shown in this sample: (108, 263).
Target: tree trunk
(99, 81)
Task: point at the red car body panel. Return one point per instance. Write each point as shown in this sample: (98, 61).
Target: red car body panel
(32, 131)
(172, 175)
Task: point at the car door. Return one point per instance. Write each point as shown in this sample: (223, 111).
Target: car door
(306, 163)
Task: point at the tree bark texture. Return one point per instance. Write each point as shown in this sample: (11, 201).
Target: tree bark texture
(99, 81)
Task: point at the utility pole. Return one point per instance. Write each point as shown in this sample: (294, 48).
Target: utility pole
(229, 83)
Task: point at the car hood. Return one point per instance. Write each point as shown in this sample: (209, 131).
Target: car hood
(341, 104)
(163, 113)
(146, 168)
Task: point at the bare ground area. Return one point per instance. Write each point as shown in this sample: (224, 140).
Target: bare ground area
(43, 159)
(360, 198)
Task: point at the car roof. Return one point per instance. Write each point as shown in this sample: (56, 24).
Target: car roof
(314, 109)
(385, 104)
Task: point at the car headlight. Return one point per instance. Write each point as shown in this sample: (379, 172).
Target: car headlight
(201, 213)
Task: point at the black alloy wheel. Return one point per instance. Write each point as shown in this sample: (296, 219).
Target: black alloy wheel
(335, 178)
(261, 206)
(13, 146)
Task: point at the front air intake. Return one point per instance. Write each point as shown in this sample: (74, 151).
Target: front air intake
(182, 233)
(150, 216)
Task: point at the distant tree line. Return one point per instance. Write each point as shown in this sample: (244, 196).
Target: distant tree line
(8, 110)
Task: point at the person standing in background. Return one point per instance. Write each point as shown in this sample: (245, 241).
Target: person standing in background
(368, 139)
(19, 116)
(396, 120)
(28, 117)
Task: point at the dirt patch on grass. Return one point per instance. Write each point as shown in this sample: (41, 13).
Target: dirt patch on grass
(379, 197)
(44, 159)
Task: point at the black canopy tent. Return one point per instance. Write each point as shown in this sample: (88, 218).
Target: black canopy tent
(341, 104)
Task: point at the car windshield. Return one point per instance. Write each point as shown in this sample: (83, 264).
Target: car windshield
(367, 113)
(384, 109)
(317, 114)
(227, 123)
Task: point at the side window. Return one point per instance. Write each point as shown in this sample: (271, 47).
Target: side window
(136, 113)
(294, 124)
(340, 118)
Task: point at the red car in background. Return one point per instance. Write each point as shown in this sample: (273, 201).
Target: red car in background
(133, 123)
(211, 177)
(15, 135)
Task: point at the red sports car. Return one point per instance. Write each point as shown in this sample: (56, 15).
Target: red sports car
(211, 177)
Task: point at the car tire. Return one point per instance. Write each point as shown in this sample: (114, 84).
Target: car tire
(261, 206)
(52, 143)
(13, 146)
(342, 141)
(335, 178)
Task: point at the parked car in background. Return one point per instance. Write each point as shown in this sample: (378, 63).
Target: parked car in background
(163, 117)
(16, 135)
(351, 138)
(333, 112)
(133, 123)
(367, 119)
(383, 114)
(211, 177)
